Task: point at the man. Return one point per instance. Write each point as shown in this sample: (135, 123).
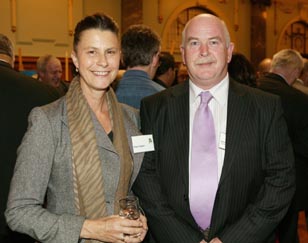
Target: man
(286, 68)
(264, 66)
(18, 95)
(49, 70)
(301, 83)
(140, 54)
(250, 151)
(165, 73)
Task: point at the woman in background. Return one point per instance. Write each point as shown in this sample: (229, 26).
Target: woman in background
(78, 152)
(242, 70)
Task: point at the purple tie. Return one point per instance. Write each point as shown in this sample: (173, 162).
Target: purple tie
(203, 170)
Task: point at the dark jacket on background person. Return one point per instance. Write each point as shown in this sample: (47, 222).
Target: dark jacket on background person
(18, 95)
(295, 106)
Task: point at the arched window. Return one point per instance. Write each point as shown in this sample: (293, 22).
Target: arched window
(296, 37)
(174, 32)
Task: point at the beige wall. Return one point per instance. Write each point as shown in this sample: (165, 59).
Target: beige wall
(42, 26)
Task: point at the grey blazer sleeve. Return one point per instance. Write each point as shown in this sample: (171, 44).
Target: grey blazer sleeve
(34, 167)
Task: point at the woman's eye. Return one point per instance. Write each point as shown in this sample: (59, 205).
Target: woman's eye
(91, 52)
(111, 52)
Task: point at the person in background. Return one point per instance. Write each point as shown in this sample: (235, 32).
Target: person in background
(140, 55)
(18, 95)
(165, 73)
(49, 71)
(286, 67)
(301, 83)
(264, 67)
(78, 152)
(181, 74)
(242, 70)
(232, 178)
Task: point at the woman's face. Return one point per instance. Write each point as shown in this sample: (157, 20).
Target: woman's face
(97, 57)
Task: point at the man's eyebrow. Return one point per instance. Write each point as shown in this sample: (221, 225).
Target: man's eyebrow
(192, 38)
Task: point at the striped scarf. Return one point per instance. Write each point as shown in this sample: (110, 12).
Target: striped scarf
(87, 165)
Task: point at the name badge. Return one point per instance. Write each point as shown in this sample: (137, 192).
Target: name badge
(222, 141)
(143, 143)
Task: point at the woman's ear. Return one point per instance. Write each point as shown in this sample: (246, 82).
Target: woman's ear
(75, 59)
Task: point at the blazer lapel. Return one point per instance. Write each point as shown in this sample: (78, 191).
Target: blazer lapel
(131, 130)
(178, 110)
(236, 114)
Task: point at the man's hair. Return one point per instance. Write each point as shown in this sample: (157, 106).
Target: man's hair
(139, 44)
(6, 46)
(42, 61)
(224, 28)
(287, 58)
(166, 61)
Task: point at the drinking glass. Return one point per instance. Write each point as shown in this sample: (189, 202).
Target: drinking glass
(129, 207)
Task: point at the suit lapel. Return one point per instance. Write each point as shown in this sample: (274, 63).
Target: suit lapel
(178, 109)
(237, 114)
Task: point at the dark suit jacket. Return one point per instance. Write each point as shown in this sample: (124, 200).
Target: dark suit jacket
(18, 95)
(257, 181)
(295, 106)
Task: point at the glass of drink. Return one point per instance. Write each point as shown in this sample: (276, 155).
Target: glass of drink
(129, 207)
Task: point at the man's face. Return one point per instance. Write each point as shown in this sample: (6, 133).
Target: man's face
(53, 73)
(304, 78)
(205, 51)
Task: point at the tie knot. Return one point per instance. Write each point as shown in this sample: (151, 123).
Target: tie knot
(205, 96)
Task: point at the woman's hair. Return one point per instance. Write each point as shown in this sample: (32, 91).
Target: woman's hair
(242, 70)
(96, 21)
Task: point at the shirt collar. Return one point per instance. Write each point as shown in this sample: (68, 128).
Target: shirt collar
(219, 91)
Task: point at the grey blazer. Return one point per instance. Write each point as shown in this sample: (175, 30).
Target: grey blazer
(44, 167)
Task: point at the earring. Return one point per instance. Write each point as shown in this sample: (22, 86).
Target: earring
(77, 70)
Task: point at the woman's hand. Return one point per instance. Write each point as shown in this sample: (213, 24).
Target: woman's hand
(115, 229)
(140, 236)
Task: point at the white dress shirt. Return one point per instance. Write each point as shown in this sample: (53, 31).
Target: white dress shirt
(218, 107)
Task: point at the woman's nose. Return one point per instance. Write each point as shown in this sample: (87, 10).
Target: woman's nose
(102, 60)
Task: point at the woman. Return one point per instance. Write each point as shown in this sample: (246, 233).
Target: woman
(77, 151)
(242, 70)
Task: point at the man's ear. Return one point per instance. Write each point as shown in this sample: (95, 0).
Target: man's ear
(155, 60)
(183, 54)
(40, 75)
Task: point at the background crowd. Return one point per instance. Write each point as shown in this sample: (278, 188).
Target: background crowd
(69, 154)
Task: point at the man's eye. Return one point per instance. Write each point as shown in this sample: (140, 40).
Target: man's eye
(213, 42)
(194, 43)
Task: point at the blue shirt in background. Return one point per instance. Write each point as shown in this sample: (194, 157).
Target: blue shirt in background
(135, 85)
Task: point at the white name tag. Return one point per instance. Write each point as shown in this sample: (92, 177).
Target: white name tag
(222, 141)
(143, 143)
